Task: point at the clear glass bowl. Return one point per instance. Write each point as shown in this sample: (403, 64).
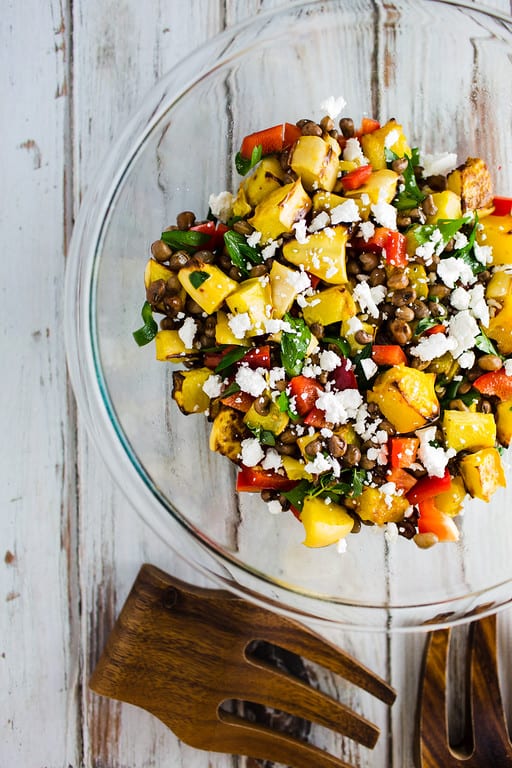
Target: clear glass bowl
(444, 71)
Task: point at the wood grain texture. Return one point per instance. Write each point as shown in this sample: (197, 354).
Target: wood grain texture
(71, 75)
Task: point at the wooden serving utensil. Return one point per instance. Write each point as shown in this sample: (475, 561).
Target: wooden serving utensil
(487, 743)
(180, 651)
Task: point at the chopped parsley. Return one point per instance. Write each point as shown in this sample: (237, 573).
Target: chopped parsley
(198, 277)
(294, 345)
(244, 165)
(409, 195)
(240, 252)
(186, 240)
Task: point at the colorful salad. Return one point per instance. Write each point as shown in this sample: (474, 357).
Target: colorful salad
(345, 321)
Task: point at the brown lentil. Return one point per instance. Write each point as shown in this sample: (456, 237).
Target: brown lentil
(363, 337)
(327, 123)
(288, 436)
(352, 455)
(185, 220)
(155, 292)
(235, 273)
(420, 309)
(425, 540)
(440, 291)
(336, 446)
(403, 296)
(464, 387)
(347, 127)
(314, 447)
(205, 257)
(369, 261)
(428, 205)
(258, 270)
(367, 463)
(287, 449)
(311, 129)
(173, 305)
(172, 286)
(398, 280)
(377, 276)
(243, 227)
(317, 330)
(401, 331)
(489, 363)
(178, 260)
(485, 406)
(160, 251)
(192, 306)
(262, 405)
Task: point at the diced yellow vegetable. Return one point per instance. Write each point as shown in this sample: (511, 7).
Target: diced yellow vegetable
(377, 507)
(500, 326)
(168, 346)
(329, 306)
(390, 135)
(499, 285)
(315, 161)
(323, 254)
(211, 293)
(274, 421)
(323, 523)
(224, 334)
(241, 206)
(380, 187)
(252, 297)
(473, 183)
(283, 289)
(279, 211)
(267, 177)
(188, 390)
(444, 366)
(156, 271)
(349, 335)
(295, 469)
(303, 442)
(467, 431)
(406, 397)
(496, 231)
(227, 433)
(417, 275)
(450, 502)
(448, 206)
(504, 422)
(482, 473)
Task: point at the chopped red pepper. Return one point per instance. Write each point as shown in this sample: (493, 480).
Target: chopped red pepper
(428, 487)
(368, 125)
(240, 401)
(356, 178)
(432, 520)
(216, 232)
(403, 451)
(439, 328)
(388, 354)
(389, 241)
(343, 377)
(495, 383)
(316, 418)
(257, 357)
(502, 206)
(314, 279)
(273, 139)
(306, 392)
(257, 479)
(402, 479)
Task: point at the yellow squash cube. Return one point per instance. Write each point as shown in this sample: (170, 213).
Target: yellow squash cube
(467, 431)
(156, 271)
(391, 135)
(282, 287)
(209, 293)
(323, 254)
(276, 214)
(500, 326)
(406, 397)
(323, 523)
(329, 306)
(224, 334)
(448, 206)
(483, 473)
(496, 231)
(377, 507)
(315, 161)
(274, 421)
(188, 390)
(450, 502)
(504, 422)
(295, 469)
(266, 178)
(473, 183)
(252, 297)
(168, 346)
(380, 187)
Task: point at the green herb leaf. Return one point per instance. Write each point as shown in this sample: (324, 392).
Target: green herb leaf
(232, 389)
(231, 357)
(187, 240)
(341, 343)
(297, 494)
(294, 345)
(240, 252)
(411, 195)
(351, 484)
(198, 277)
(484, 344)
(283, 401)
(466, 253)
(265, 436)
(424, 324)
(243, 165)
(150, 328)
(447, 228)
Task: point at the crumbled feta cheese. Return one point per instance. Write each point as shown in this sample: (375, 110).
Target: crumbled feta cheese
(300, 229)
(254, 238)
(346, 212)
(366, 230)
(434, 458)
(299, 280)
(354, 325)
(369, 298)
(274, 507)
(333, 106)
(464, 329)
(507, 365)
(478, 305)
(329, 360)
(341, 406)
(391, 532)
(221, 205)
(380, 455)
(430, 347)
(213, 385)
(252, 452)
(326, 432)
(353, 152)
(310, 370)
(276, 374)
(467, 359)
(483, 253)
(460, 298)
(341, 546)
(320, 221)
(459, 240)
(268, 252)
(369, 367)
(250, 381)
(239, 324)
(453, 269)
(439, 164)
(392, 138)
(187, 332)
(272, 460)
(318, 465)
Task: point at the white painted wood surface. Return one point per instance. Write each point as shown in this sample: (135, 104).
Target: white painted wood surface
(70, 76)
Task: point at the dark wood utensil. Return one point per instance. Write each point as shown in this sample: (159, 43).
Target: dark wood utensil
(487, 744)
(180, 651)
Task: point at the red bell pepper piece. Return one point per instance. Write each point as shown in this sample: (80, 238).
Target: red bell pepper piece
(388, 354)
(428, 487)
(439, 328)
(495, 383)
(316, 418)
(257, 479)
(314, 279)
(356, 178)
(403, 451)
(402, 479)
(502, 206)
(368, 125)
(396, 249)
(240, 401)
(432, 520)
(257, 357)
(306, 392)
(215, 231)
(272, 139)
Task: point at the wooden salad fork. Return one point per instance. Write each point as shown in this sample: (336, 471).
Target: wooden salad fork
(180, 651)
(487, 743)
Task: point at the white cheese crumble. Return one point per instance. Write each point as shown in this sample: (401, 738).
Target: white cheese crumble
(272, 460)
(460, 298)
(369, 367)
(300, 229)
(346, 212)
(268, 252)
(385, 213)
(329, 360)
(483, 253)
(467, 359)
(213, 385)
(250, 381)
(452, 269)
(353, 152)
(508, 367)
(252, 452)
(254, 238)
(320, 221)
(187, 332)
(221, 205)
(369, 298)
(391, 532)
(440, 164)
(276, 374)
(341, 546)
(366, 230)
(430, 347)
(274, 507)
(459, 240)
(341, 406)
(239, 324)
(299, 280)
(391, 138)
(464, 329)
(434, 458)
(332, 106)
